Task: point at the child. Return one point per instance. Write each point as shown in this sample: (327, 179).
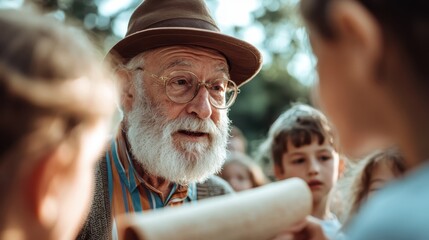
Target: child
(241, 172)
(301, 143)
(372, 175)
(55, 106)
(373, 81)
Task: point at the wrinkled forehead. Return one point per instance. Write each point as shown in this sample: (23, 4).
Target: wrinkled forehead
(186, 56)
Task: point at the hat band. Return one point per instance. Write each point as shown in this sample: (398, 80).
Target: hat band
(185, 22)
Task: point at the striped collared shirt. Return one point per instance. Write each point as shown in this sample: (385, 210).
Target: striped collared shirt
(130, 192)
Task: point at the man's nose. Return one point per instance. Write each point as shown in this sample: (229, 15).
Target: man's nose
(200, 105)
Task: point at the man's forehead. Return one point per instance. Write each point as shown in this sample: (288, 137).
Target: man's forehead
(172, 56)
(184, 62)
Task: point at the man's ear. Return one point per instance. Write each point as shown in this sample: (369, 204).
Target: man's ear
(357, 29)
(127, 89)
(44, 185)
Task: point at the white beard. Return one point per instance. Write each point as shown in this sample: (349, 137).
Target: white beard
(183, 162)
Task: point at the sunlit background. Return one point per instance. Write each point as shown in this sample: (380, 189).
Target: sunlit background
(273, 26)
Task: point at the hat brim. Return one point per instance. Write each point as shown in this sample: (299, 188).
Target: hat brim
(244, 60)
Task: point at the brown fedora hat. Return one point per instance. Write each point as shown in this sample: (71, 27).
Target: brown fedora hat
(158, 23)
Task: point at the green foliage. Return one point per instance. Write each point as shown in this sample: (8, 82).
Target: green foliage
(263, 99)
(273, 90)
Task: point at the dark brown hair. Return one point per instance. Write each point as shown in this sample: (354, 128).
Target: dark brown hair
(300, 125)
(403, 22)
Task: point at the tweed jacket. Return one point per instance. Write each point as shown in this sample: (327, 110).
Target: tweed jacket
(98, 225)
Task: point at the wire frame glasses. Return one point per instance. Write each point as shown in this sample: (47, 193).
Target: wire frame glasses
(183, 86)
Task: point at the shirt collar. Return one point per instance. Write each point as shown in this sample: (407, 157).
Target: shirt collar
(129, 175)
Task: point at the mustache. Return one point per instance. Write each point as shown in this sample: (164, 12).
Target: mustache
(193, 124)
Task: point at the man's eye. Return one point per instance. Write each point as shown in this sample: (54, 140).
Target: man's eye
(181, 81)
(179, 84)
(218, 86)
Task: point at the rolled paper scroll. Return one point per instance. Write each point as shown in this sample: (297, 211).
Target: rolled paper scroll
(260, 213)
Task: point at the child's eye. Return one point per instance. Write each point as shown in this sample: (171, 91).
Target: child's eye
(298, 161)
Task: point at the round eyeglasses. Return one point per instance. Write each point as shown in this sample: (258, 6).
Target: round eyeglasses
(183, 86)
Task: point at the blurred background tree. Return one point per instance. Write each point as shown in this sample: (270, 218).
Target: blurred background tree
(287, 71)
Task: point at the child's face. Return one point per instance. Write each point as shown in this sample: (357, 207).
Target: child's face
(316, 164)
(381, 175)
(237, 176)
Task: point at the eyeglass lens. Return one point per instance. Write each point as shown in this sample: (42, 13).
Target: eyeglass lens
(182, 87)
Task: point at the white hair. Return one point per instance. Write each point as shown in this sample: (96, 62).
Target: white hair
(136, 61)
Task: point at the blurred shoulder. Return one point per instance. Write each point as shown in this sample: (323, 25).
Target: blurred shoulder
(400, 211)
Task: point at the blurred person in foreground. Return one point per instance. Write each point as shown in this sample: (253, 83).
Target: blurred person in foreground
(377, 98)
(301, 144)
(178, 76)
(241, 172)
(56, 107)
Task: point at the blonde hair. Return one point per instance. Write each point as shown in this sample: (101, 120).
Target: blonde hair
(362, 176)
(52, 89)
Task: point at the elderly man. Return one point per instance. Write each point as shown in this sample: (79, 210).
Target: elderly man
(179, 75)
